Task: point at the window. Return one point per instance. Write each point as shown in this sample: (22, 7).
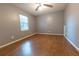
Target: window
(24, 23)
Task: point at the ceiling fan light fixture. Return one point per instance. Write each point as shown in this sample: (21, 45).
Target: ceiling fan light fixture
(42, 4)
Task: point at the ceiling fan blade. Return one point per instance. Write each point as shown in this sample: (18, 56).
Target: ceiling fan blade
(37, 8)
(48, 5)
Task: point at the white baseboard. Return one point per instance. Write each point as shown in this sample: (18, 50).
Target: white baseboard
(72, 43)
(26, 37)
(16, 40)
(50, 34)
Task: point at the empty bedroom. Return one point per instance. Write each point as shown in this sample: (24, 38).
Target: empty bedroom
(39, 29)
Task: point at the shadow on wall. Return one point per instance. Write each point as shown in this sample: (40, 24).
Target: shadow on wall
(71, 28)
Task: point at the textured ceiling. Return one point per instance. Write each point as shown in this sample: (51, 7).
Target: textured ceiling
(30, 7)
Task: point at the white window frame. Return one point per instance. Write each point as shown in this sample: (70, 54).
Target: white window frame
(22, 21)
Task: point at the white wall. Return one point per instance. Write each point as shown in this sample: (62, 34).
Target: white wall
(72, 23)
(10, 26)
(51, 23)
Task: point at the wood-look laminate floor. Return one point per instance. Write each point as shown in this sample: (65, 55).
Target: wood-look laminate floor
(40, 45)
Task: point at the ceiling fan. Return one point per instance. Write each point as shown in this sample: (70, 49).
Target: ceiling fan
(47, 5)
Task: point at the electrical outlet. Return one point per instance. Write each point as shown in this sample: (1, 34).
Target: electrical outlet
(12, 37)
(49, 31)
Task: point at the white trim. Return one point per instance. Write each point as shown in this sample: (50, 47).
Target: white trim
(16, 40)
(50, 34)
(72, 43)
(26, 37)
